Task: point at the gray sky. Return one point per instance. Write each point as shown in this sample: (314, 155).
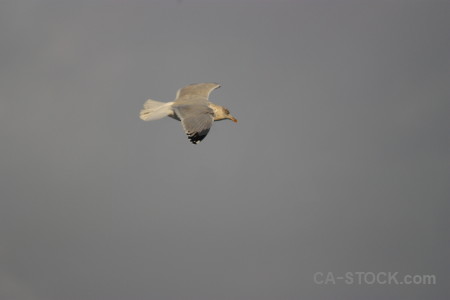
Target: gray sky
(339, 163)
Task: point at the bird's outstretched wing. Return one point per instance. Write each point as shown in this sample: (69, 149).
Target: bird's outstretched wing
(199, 91)
(196, 120)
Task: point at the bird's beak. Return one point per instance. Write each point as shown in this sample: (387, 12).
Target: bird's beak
(233, 119)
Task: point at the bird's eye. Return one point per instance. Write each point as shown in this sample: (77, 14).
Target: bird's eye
(227, 111)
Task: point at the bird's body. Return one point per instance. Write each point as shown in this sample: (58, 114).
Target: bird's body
(192, 107)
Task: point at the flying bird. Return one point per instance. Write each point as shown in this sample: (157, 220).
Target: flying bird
(192, 107)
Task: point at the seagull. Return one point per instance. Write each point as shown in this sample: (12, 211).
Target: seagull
(192, 107)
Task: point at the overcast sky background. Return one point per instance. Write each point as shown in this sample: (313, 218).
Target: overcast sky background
(340, 161)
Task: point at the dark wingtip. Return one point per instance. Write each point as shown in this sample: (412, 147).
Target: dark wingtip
(197, 137)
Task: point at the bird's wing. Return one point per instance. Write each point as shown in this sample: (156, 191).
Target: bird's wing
(196, 120)
(198, 91)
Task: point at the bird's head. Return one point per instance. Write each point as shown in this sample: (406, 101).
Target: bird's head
(228, 115)
(223, 113)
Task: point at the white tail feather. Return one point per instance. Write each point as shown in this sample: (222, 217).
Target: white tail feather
(154, 110)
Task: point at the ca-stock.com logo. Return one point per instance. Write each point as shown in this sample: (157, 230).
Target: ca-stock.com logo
(373, 278)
